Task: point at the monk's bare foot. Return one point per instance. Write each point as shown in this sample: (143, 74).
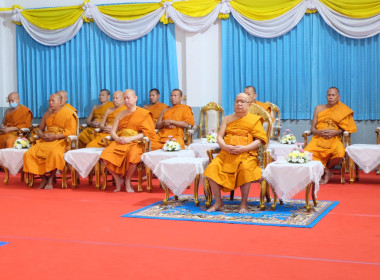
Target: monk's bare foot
(49, 186)
(216, 207)
(119, 182)
(43, 182)
(326, 177)
(128, 187)
(243, 209)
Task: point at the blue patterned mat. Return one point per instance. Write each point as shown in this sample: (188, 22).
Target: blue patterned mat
(291, 214)
(3, 243)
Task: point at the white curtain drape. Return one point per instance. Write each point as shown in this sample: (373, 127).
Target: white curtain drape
(125, 30)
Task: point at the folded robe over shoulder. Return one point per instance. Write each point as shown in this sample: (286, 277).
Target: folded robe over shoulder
(232, 171)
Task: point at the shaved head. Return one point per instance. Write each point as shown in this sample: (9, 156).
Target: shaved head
(13, 94)
(130, 98)
(251, 91)
(63, 94)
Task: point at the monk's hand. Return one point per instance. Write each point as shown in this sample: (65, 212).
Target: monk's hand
(107, 129)
(125, 140)
(48, 137)
(168, 123)
(95, 124)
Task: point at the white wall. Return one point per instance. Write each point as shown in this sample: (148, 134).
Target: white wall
(198, 55)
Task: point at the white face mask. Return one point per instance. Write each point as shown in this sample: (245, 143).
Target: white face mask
(13, 105)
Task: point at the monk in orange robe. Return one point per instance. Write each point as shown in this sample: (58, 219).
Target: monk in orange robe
(173, 120)
(47, 154)
(239, 137)
(108, 120)
(131, 125)
(16, 117)
(251, 91)
(155, 107)
(95, 118)
(329, 122)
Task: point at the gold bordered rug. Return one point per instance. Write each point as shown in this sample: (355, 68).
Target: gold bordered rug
(291, 214)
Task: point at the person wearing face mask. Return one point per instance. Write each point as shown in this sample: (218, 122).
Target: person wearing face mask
(16, 117)
(155, 106)
(175, 119)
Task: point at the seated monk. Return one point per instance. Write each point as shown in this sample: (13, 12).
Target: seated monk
(155, 107)
(95, 118)
(16, 117)
(329, 122)
(174, 119)
(251, 91)
(122, 156)
(239, 137)
(47, 154)
(108, 120)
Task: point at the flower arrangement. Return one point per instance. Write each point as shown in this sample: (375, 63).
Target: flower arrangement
(298, 155)
(21, 143)
(288, 138)
(211, 137)
(171, 145)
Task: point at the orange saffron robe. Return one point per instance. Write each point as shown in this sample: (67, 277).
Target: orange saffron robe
(156, 110)
(119, 156)
(233, 171)
(97, 141)
(178, 112)
(87, 135)
(46, 156)
(338, 117)
(21, 118)
(70, 107)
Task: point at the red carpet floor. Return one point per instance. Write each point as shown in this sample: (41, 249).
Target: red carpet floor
(79, 234)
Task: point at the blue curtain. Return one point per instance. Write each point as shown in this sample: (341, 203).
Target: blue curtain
(91, 62)
(294, 71)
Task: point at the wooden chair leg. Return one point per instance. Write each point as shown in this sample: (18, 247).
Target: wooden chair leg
(6, 179)
(165, 201)
(22, 176)
(139, 176)
(313, 195)
(196, 186)
(232, 194)
(274, 204)
(104, 175)
(208, 192)
(97, 175)
(352, 171)
(74, 180)
(148, 179)
(342, 171)
(263, 193)
(64, 178)
(31, 180)
(307, 197)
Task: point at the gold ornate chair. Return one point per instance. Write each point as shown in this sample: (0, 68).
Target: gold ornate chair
(344, 165)
(263, 156)
(145, 143)
(211, 117)
(276, 121)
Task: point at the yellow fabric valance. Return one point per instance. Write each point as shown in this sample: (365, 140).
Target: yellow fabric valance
(263, 10)
(354, 8)
(195, 8)
(53, 18)
(129, 11)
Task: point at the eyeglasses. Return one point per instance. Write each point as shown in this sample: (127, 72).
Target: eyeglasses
(239, 101)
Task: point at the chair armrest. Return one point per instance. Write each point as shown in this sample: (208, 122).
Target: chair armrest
(71, 142)
(305, 134)
(377, 131)
(211, 153)
(83, 125)
(25, 129)
(106, 140)
(35, 125)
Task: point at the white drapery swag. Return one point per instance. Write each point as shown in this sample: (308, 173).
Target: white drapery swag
(133, 29)
(48, 37)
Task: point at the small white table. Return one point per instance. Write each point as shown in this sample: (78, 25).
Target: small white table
(12, 160)
(276, 149)
(83, 161)
(367, 157)
(201, 147)
(152, 159)
(287, 179)
(178, 173)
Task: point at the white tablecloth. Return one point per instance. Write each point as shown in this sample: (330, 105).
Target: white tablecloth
(12, 159)
(290, 178)
(178, 173)
(83, 160)
(366, 156)
(151, 159)
(201, 147)
(276, 149)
